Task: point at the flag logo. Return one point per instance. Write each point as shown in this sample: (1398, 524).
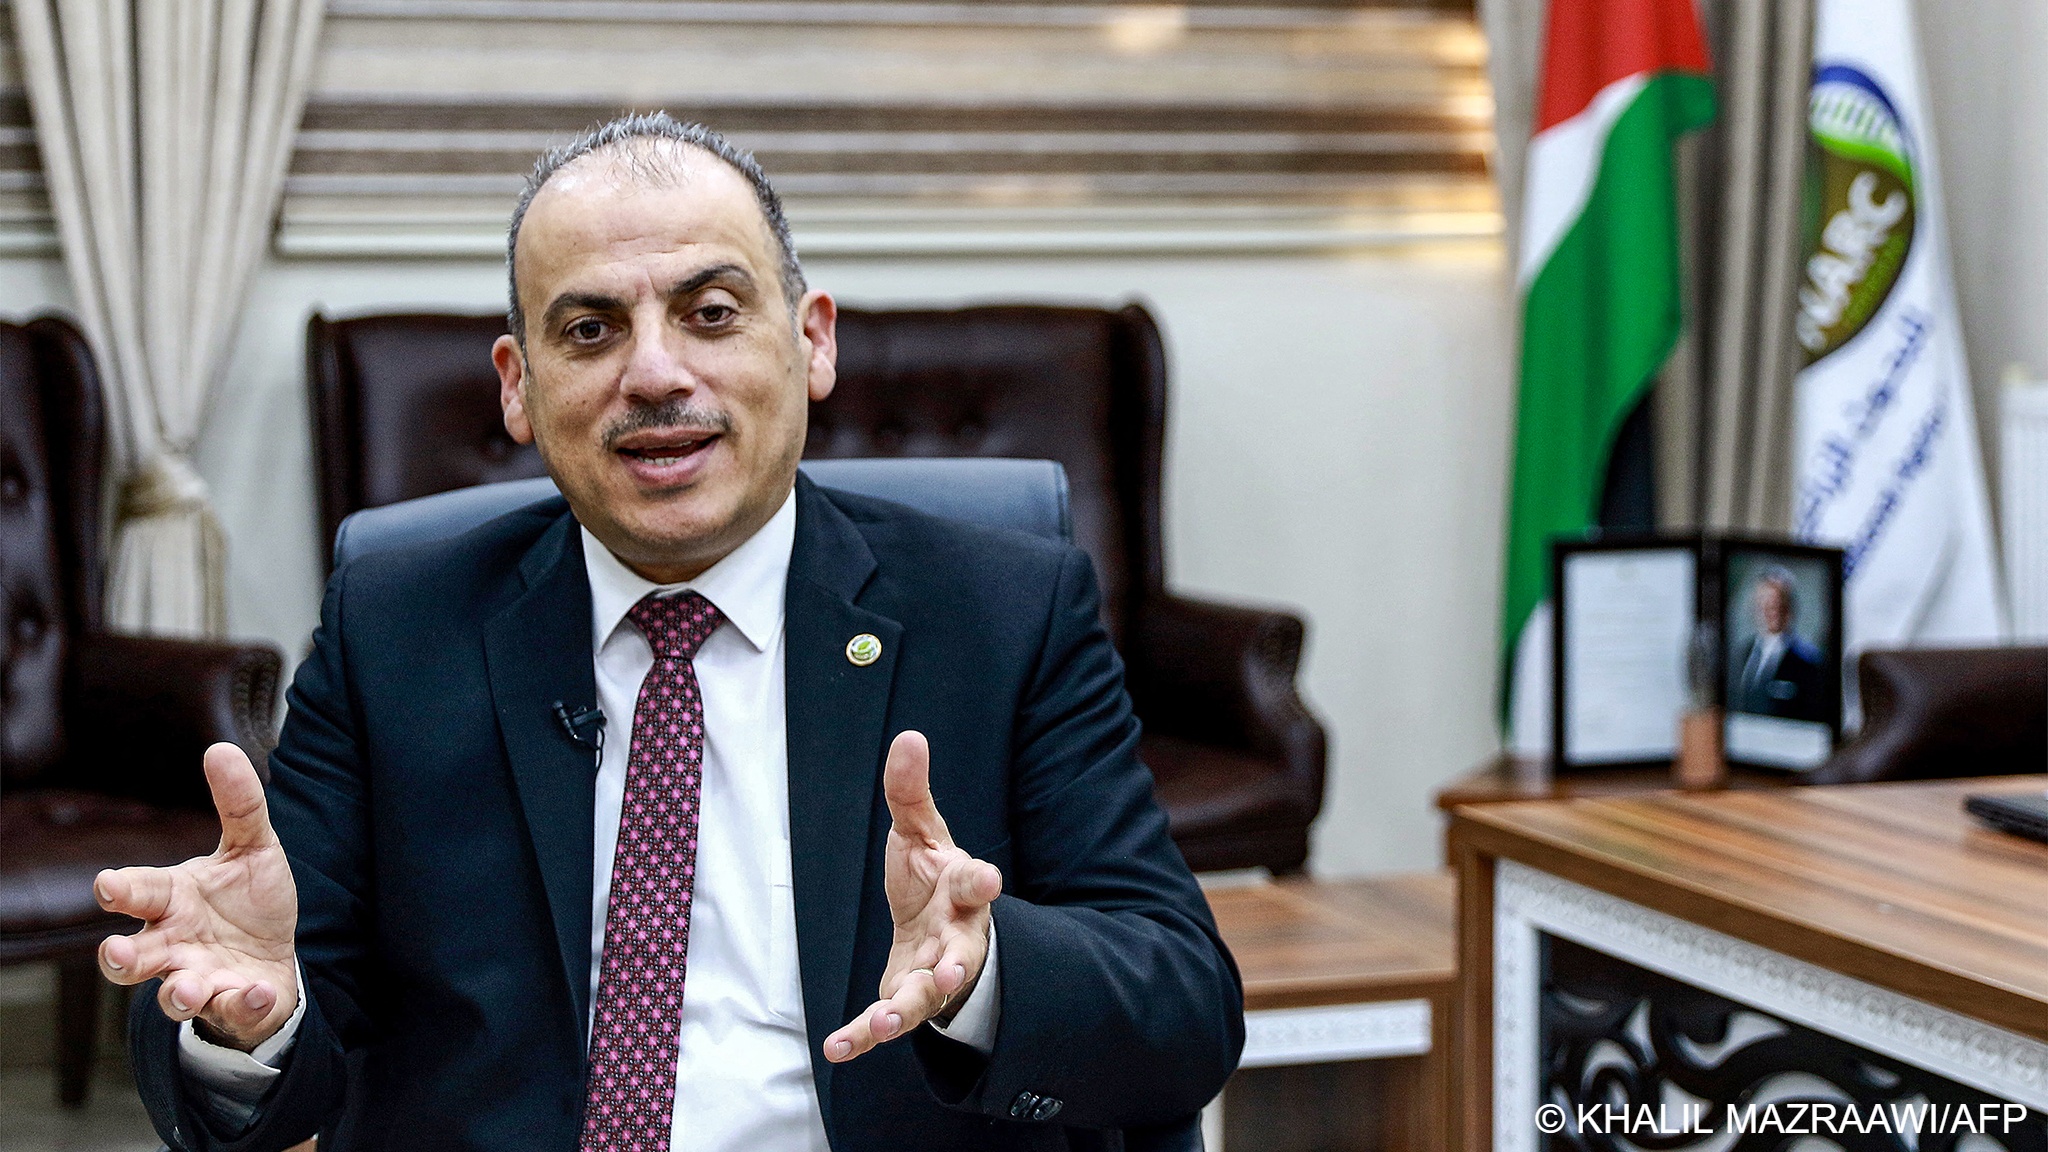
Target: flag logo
(1860, 216)
(1883, 425)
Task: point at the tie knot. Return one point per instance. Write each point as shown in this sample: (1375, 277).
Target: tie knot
(675, 626)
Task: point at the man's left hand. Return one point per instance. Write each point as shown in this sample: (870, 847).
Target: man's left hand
(938, 897)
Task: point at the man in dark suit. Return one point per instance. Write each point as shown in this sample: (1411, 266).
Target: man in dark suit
(1780, 672)
(457, 919)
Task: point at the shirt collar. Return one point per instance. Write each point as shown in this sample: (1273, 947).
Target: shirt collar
(748, 586)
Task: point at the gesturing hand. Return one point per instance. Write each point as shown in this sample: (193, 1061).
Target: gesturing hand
(219, 929)
(938, 897)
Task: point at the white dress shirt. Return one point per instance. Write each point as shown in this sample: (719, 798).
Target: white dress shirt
(743, 1075)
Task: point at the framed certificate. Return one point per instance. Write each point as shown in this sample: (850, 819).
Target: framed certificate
(1627, 612)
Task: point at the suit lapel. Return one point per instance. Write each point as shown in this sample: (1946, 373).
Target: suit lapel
(537, 651)
(838, 715)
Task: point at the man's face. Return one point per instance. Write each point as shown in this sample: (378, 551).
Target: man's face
(664, 378)
(1773, 607)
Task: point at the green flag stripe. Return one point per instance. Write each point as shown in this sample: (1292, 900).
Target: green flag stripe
(1599, 320)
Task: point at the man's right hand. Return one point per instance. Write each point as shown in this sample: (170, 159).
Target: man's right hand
(219, 929)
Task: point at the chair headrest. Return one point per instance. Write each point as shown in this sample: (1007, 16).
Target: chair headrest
(1026, 495)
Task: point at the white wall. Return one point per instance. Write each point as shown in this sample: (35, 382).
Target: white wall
(1987, 65)
(29, 287)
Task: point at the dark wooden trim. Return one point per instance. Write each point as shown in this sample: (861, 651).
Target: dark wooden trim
(1472, 1019)
(1440, 1071)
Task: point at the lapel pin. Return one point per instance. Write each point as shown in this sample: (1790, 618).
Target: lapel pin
(863, 650)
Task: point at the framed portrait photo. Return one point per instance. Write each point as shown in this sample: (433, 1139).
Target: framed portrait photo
(1781, 653)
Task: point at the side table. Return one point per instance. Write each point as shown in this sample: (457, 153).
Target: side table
(1348, 988)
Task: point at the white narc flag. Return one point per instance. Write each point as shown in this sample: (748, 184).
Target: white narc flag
(1885, 435)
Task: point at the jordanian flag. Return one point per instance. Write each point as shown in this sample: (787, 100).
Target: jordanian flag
(1622, 80)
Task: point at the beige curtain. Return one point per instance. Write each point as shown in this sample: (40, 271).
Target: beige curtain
(1514, 67)
(1747, 264)
(165, 127)
(1723, 402)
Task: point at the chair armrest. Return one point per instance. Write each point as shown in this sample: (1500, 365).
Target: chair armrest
(1933, 713)
(142, 710)
(1224, 674)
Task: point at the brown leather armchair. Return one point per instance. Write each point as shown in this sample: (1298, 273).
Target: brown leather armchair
(1933, 713)
(406, 405)
(100, 735)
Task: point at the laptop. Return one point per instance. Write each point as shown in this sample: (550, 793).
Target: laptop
(2025, 814)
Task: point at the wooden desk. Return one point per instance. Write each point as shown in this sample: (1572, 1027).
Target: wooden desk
(1337, 973)
(1506, 778)
(1825, 929)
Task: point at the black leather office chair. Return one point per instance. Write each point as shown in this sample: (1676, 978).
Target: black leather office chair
(100, 733)
(1941, 713)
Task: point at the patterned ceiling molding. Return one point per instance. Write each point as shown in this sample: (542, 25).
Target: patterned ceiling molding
(896, 127)
(1202, 13)
(1061, 153)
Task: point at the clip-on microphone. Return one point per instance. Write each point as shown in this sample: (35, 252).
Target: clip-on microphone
(584, 725)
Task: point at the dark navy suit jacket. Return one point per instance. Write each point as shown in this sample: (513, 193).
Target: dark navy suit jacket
(439, 824)
(1796, 688)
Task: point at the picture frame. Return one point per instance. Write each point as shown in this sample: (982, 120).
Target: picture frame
(1646, 627)
(1626, 611)
(1778, 605)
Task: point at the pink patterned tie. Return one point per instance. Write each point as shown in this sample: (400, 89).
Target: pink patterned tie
(632, 1089)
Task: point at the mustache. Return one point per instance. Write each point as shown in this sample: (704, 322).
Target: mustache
(667, 416)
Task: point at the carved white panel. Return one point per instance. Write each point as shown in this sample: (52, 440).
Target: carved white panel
(1517, 975)
(1335, 1032)
(1527, 902)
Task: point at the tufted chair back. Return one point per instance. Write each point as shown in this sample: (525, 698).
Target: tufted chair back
(1083, 386)
(51, 450)
(407, 405)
